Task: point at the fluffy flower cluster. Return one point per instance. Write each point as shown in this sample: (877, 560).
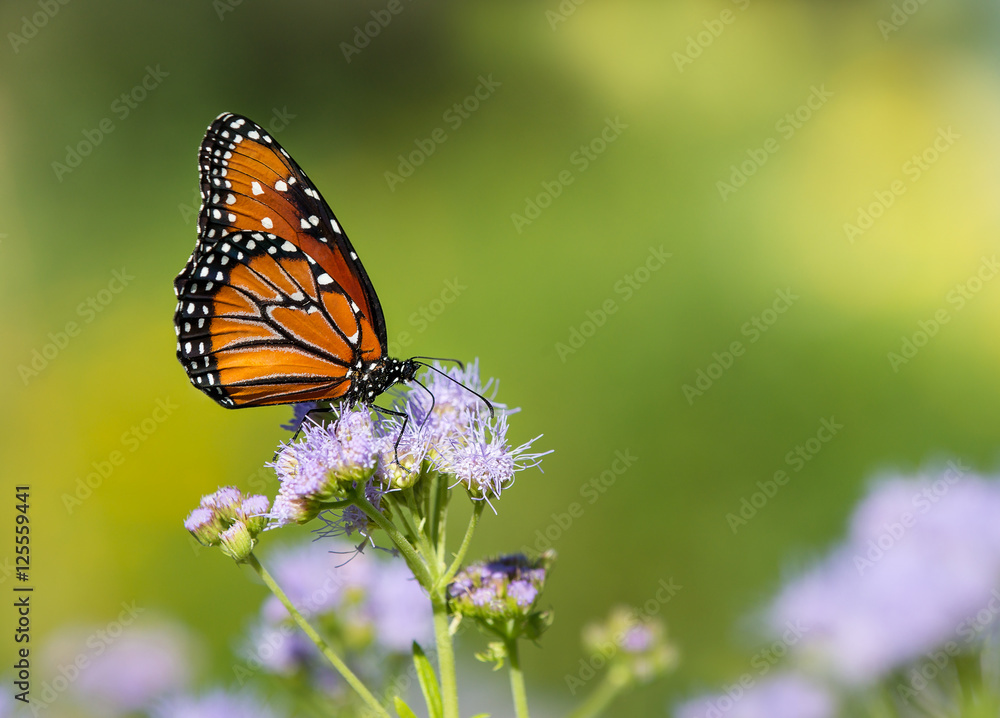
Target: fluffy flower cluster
(917, 576)
(325, 465)
(502, 594)
(448, 429)
(231, 519)
(922, 560)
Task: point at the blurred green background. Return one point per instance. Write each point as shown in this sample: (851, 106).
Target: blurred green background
(697, 90)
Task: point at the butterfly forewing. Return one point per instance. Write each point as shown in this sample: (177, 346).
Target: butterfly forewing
(273, 306)
(249, 182)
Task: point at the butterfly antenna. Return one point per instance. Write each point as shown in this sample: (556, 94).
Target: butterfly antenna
(459, 362)
(433, 401)
(452, 379)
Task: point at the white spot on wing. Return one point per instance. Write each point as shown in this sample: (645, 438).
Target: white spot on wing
(324, 278)
(255, 186)
(266, 221)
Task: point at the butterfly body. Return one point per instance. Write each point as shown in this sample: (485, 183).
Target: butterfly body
(274, 306)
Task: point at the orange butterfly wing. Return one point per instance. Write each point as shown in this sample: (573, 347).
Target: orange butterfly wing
(274, 306)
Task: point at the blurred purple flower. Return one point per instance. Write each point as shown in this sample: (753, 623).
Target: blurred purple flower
(922, 559)
(127, 668)
(214, 705)
(315, 576)
(400, 609)
(781, 696)
(364, 594)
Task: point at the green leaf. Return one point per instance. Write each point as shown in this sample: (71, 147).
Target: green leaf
(481, 715)
(403, 710)
(428, 682)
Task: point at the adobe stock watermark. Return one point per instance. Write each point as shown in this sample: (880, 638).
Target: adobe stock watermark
(698, 43)
(966, 634)
(625, 288)
(224, 7)
(786, 127)
(562, 12)
(913, 169)
(580, 160)
(589, 666)
(454, 117)
(121, 107)
(762, 662)
(796, 460)
(364, 34)
(47, 9)
(900, 15)
(590, 491)
(958, 297)
(427, 314)
(97, 643)
(754, 328)
(88, 310)
(921, 502)
(130, 441)
(276, 124)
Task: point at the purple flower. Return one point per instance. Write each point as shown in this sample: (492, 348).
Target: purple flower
(523, 593)
(324, 465)
(215, 705)
(482, 460)
(502, 590)
(781, 696)
(227, 516)
(126, 672)
(450, 402)
(199, 520)
(922, 559)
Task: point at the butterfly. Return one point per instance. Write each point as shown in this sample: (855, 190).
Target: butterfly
(274, 306)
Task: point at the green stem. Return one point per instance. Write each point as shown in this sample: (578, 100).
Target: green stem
(441, 515)
(330, 654)
(446, 654)
(517, 680)
(602, 696)
(412, 556)
(477, 511)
